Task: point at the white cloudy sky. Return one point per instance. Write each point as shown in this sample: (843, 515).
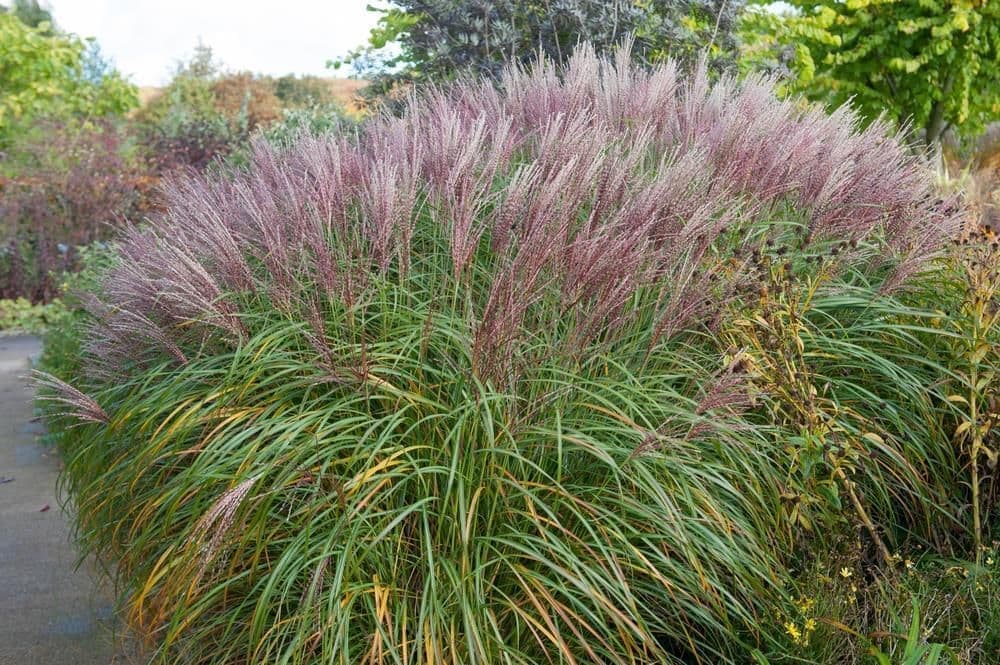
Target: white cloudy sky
(145, 38)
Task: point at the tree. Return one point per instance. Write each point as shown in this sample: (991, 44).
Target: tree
(45, 73)
(30, 12)
(932, 63)
(439, 39)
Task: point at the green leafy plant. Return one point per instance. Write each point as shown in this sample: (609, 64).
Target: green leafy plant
(829, 436)
(915, 650)
(21, 316)
(312, 121)
(29, 12)
(43, 75)
(977, 350)
(932, 64)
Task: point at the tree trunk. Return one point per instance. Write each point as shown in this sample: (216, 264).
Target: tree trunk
(935, 124)
(935, 121)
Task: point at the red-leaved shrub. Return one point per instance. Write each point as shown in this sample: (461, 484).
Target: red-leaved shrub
(73, 186)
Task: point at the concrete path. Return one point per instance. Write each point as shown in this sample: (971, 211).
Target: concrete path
(51, 612)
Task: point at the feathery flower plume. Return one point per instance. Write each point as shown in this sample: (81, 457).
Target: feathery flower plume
(79, 405)
(217, 521)
(590, 184)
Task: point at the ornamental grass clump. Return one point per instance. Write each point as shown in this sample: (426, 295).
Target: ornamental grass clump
(477, 384)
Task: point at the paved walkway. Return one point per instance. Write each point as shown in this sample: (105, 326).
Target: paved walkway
(51, 612)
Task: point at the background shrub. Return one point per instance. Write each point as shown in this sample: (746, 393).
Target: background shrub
(206, 114)
(68, 173)
(20, 316)
(586, 368)
(70, 186)
(436, 40)
(311, 121)
(303, 91)
(243, 94)
(183, 126)
(48, 74)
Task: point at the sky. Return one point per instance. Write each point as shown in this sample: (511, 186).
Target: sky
(146, 38)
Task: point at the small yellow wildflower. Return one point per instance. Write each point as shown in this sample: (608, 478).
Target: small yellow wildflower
(793, 631)
(845, 573)
(989, 561)
(810, 625)
(908, 564)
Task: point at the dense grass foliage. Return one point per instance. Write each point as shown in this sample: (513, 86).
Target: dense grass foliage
(588, 368)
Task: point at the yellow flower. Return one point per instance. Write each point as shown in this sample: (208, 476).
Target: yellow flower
(845, 573)
(793, 631)
(989, 561)
(810, 625)
(908, 564)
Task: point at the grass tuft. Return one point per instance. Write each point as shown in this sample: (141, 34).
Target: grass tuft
(585, 369)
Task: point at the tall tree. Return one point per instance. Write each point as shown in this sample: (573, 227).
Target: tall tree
(45, 73)
(932, 63)
(30, 12)
(438, 39)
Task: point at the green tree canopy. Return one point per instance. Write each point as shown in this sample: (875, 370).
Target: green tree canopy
(31, 12)
(45, 73)
(439, 39)
(933, 63)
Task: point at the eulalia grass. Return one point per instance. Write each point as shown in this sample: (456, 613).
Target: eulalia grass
(514, 378)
